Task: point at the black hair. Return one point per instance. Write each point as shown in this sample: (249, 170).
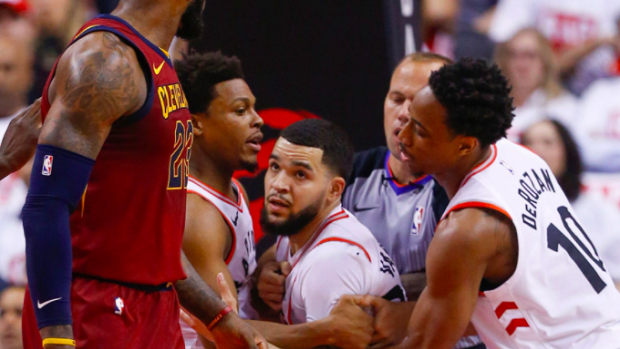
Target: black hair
(476, 97)
(570, 179)
(319, 133)
(200, 72)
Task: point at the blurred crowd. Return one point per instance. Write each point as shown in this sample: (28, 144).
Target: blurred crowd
(562, 58)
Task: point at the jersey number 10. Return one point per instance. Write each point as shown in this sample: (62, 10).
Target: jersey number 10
(556, 239)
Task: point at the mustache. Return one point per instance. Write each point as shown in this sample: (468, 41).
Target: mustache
(279, 196)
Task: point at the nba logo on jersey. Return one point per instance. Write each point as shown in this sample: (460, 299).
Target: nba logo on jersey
(47, 165)
(118, 306)
(417, 220)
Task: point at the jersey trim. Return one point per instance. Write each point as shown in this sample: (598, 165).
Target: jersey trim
(163, 54)
(477, 204)
(231, 253)
(483, 166)
(238, 205)
(402, 188)
(345, 241)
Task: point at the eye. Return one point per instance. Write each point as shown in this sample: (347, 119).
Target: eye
(301, 174)
(240, 111)
(274, 167)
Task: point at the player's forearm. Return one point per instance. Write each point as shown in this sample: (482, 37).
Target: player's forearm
(301, 336)
(196, 296)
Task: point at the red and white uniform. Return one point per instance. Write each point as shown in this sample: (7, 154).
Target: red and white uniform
(342, 257)
(560, 295)
(241, 259)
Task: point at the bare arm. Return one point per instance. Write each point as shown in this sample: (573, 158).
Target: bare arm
(98, 80)
(473, 239)
(20, 139)
(414, 284)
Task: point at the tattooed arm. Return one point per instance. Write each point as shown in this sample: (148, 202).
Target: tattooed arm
(98, 80)
(196, 296)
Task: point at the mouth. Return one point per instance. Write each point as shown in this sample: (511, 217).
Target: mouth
(254, 141)
(397, 130)
(277, 205)
(404, 155)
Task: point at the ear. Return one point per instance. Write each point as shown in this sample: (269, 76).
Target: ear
(467, 145)
(197, 124)
(336, 188)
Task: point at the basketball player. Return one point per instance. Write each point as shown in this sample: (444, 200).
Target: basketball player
(509, 253)
(218, 231)
(20, 140)
(219, 236)
(400, 208)
(104, 238)
(331, 254)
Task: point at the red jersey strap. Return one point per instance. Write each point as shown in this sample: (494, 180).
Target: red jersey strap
(477, 204)
(483, 166)
(124, 31)
(345, 241)
(231, 253)
(238, 205)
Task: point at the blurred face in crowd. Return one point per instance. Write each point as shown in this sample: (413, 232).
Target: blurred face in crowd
(544, 140)
(11, 305)
(408, 78)
(51, 15)
(230, 130)
(297, 187)
(525, 66)
(15, 68)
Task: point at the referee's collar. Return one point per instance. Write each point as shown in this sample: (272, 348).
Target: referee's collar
(402, 188)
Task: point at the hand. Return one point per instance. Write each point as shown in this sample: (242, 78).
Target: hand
(391, 320)
(198, 325)
(61, 331)
(232, 332)
(350, 325)
(271, 283)
(21, 137)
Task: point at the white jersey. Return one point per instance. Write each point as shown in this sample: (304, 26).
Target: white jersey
(560, 295)
(241, 260)
(342, 257)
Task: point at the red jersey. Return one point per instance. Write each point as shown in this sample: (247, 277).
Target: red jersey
(129, 224)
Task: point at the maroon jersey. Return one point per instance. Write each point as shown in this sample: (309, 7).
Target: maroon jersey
(129, 224)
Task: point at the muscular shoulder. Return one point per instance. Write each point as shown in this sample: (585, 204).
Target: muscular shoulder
(101, 74)
(205, 227)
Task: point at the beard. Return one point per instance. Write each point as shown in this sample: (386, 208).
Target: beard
(293, 225)
(191, 25)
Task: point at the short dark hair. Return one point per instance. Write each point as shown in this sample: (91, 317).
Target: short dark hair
(200, 72)
(426, 57)
(319, 133)
(476, 97)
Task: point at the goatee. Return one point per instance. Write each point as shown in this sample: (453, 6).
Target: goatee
(191, 25)
(293, 225)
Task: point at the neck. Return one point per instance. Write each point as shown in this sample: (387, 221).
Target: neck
(211, 173)
(400, 171)
(9, 105)
(156, 20)
(451, 180)
(521, 95)
(298, 240)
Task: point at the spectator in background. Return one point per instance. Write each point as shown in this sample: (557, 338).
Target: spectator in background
(581, 33)
(56, 21)
(16, 58)
(472, 26)
(598, 127)
(601, 220)
(528, 62)
(11, 305)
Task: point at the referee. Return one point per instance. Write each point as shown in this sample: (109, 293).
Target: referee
(400, 208)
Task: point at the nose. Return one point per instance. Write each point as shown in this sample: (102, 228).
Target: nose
(405, 135)
(257, 121)
(279, 183)
(403, 112)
